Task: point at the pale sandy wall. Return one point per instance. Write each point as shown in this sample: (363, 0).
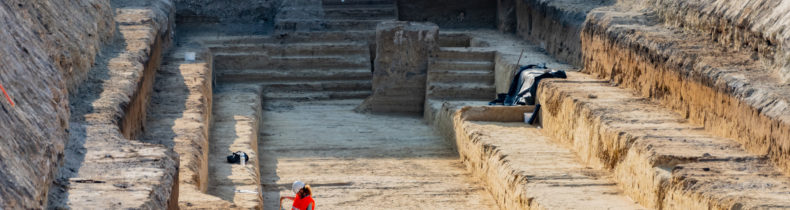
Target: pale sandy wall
(729, 91)
(759, 26)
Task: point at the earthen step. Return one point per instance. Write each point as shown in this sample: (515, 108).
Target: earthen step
(179, 117)
(296, 49)
(734, 92)
(336, 25)
(481, 91)
(466, 54)
(433, 111)
(524, 169)
(454, 40)
(235, 128)
(254, 60)
(289, 86)
(657, 156)
(316, 95)
(341, 25)
(439, 64)
(292, 38)
(360, 12)
(291, 74)
(449, 76)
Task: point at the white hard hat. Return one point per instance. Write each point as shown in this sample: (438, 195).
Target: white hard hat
(298, 185)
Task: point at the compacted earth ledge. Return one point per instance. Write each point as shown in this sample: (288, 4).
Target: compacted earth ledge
(658, 157)
(522, 168)
(103, 168)
(727, 90)
(716, 136)
(180, 117)
(696, 57)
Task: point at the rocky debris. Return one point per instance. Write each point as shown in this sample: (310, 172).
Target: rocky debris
(103, 168)
(401, 65)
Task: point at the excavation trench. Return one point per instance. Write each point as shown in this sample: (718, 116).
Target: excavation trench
(289, 104)
(648, 123)
(288, 101)
(309, 132)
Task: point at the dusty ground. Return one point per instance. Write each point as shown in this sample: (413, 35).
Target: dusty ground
(357, 161)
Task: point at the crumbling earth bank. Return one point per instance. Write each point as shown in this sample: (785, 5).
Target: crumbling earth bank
(105, 167)
(48, 48)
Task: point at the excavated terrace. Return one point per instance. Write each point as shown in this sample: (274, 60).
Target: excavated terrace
(659, 111)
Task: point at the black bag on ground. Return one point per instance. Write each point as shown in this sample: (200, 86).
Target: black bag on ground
(236, 157)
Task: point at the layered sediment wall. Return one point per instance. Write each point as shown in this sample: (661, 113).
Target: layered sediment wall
(48, 48)
(449, 14)
(555, 25)
(226, 11)
(70, 33)
(755, 26)
(102, 167)
(729, 91)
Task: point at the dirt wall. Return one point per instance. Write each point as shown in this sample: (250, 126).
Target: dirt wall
(450, 14)
(226, 10)
(759, 26)
(400, 66)
(555, 25)
(47, 49)
(727, 90)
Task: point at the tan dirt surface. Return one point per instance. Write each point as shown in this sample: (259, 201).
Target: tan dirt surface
(359, 161)
(236, 117)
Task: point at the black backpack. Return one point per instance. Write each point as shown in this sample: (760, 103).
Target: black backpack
(236, 157)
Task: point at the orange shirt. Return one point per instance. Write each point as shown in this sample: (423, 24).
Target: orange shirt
(303, 203)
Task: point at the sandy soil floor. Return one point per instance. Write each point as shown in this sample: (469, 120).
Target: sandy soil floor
(358, 161)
